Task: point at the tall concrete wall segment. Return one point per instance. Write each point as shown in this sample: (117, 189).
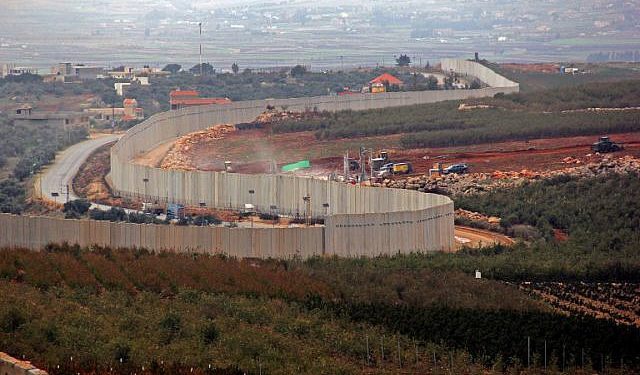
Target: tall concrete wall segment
(36, 232)
(481, 72)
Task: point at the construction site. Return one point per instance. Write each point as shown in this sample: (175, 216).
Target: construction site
(335, 206)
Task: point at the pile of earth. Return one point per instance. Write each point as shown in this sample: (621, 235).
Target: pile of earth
(477, 183)
(179, 157)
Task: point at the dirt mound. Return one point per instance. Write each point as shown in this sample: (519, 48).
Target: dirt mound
(490, 221)
(181, 154)
(89, 183)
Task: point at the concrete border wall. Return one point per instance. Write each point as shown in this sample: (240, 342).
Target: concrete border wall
(359, 221)
(34, 233)
(479, 71)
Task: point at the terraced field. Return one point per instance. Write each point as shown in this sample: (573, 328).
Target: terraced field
(619, 302)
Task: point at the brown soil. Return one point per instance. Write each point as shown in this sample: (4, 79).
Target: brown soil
(90, 181)
(154, 157)
(252, 150)
(475, 238)
(530, 68)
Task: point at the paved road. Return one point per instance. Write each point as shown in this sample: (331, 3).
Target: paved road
(58, 177)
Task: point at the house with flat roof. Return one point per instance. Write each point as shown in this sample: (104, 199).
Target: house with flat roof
(26, 115)
(128, 112)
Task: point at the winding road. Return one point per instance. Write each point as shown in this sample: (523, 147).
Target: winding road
(55, 181)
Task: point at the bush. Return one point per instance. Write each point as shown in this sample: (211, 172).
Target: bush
(12, 320)
(210, 334)
(77, 206)
(114, 214)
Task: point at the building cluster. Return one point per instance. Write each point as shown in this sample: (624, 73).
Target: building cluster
(128, 112)
(26, 115)
(13, 70)
(68, 72)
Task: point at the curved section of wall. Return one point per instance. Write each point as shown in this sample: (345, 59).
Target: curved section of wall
(359, 221)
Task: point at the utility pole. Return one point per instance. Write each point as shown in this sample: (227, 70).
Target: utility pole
(367, 338)
(528, 351)
(200, 26)
(545, 355)
(382, 349)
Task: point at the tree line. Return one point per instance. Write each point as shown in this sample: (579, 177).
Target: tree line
(443, 125)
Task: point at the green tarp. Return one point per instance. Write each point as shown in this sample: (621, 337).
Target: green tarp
(295, 166)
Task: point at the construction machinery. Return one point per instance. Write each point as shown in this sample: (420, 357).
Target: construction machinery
(402, 168)
(394, 168)
(605, 144)
(380, 160)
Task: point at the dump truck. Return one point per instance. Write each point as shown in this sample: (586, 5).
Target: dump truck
(604, 145)
(402, 168)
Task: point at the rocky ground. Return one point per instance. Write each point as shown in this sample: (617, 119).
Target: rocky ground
(179, 157)
(90, 182)
(474, 183)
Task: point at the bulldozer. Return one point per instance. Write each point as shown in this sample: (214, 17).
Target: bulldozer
(605, 144)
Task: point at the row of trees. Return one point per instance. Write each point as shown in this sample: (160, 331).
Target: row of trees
(506, 336)
(442, 124)
(601, 95)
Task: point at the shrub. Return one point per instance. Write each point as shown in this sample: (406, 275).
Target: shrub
(210, 334)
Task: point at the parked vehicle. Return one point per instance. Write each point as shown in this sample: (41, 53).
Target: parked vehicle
(456, 168)
(604, 145)
(152, 208)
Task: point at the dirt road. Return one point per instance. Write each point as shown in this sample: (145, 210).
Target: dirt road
(472, 237)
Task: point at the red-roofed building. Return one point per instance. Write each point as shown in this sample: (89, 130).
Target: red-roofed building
(382, 83)
(190, 98)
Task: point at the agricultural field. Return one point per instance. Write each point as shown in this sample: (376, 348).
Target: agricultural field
(617, 302)
(127, 309)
